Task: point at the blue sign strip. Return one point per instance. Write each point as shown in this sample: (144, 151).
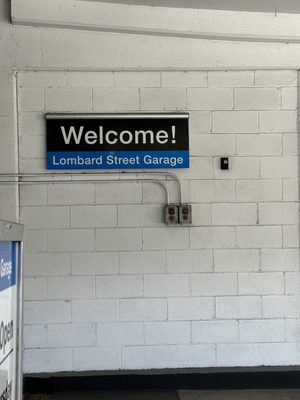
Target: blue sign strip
(117, 159)
(7, 265)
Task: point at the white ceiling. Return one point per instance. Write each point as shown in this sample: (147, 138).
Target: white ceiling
(273, 6)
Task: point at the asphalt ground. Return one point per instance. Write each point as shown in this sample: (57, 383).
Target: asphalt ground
(173, 395)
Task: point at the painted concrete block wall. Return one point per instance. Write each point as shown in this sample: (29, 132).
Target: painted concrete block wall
(109, 286)
(8, 147)
(8, 138)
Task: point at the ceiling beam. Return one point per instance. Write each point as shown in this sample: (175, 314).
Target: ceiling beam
(269, 6)
(160, 21)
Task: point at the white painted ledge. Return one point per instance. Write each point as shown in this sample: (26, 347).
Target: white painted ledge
(159, 21)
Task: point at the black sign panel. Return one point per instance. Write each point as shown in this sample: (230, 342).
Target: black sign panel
(117, 141)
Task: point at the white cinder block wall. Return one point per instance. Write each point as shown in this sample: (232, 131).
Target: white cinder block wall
(108, 286)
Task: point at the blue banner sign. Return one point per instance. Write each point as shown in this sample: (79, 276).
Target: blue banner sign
(118, 159)
(7, 265)
(117, 141)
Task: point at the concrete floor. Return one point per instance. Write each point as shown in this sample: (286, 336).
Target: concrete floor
(176, 395)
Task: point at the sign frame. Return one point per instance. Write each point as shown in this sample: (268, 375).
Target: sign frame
(162, 143)
(11, 232)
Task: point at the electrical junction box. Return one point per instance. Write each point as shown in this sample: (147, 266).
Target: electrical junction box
(185, 214)
(171, 215)
(178, 214)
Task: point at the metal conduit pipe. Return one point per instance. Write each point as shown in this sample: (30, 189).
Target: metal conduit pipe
(53, 174)
(40, 181)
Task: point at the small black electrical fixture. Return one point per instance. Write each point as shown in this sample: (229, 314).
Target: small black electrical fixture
(224, 163)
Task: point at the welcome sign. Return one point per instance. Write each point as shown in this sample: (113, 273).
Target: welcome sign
(117, 141)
